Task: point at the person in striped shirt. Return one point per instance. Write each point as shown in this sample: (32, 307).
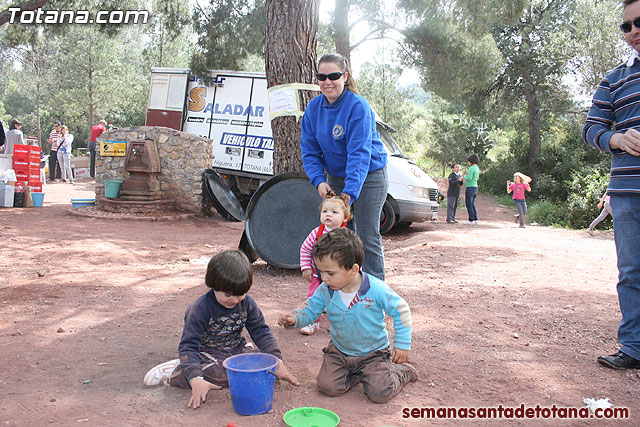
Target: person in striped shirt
(613, 125)
(334, 213)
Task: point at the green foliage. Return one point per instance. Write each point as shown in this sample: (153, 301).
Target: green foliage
(547, 213)
(228, 31)
(586, 190)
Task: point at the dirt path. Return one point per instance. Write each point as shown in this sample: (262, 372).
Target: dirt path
(501, 316)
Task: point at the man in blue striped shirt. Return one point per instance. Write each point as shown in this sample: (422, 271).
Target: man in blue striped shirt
(616, 105)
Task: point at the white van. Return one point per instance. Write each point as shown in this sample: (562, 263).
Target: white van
(232, 109)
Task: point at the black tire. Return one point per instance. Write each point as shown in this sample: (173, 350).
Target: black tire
(387, 217)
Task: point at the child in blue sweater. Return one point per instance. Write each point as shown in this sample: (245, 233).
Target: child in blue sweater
(212, 331)
(356, 303)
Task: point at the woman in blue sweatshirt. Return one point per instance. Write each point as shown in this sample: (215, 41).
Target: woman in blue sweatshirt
(339, 136)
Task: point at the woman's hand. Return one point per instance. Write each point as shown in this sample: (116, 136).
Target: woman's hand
(199, 389)
(323, 189)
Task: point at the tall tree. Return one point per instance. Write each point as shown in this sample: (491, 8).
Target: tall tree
(371, 14)
(495, 54)
(290, 57)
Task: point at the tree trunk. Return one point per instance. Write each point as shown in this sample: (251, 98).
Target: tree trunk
(341, 28)
(290, 57)
(534, 115)
(91, 106)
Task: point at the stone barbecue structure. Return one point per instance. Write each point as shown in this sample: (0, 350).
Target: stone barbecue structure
(173, 185)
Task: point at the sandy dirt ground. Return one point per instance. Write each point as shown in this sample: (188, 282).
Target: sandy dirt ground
(501, 316)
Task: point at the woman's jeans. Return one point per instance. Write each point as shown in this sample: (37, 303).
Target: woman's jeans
(521, 204)
(626, 228)
(366, 217)
(65, 165)
(470, 200)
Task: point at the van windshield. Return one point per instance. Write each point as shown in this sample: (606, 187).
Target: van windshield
(388, 142)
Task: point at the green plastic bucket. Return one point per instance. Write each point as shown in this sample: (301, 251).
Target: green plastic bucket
(112, 188)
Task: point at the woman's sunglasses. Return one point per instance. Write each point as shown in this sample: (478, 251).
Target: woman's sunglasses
(626, 25)
(335, 76)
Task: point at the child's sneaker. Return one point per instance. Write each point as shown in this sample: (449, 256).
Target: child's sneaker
(310, 329)
(160, 374)
(589, 231)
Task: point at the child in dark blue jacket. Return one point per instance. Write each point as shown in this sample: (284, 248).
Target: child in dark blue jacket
(212, 331)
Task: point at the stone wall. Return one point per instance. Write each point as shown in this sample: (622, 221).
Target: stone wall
(183, 158)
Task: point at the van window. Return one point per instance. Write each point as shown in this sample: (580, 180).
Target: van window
(388, 142)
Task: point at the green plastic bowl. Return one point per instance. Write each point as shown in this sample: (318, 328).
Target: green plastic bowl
(311, 417)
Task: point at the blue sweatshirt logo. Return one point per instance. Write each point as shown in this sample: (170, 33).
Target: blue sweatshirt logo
(338, 131)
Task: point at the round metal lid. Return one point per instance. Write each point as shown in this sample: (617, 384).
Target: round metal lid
(223, 199)
(280, 215)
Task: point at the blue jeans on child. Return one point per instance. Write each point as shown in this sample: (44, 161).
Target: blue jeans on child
(626, 227)
(470, 200)
(521, 204)
(366, 217)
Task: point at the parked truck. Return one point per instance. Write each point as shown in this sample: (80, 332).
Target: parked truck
(232, 109)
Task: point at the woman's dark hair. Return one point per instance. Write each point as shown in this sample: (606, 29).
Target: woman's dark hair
(341, 62)
(229, 272)
(473, 159)
(14, 123)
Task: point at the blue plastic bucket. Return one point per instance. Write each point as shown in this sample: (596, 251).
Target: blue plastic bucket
(112, 188)
(38, 199)
(252, 378)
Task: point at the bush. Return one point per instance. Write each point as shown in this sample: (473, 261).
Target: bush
(586, 190)
(547, 213)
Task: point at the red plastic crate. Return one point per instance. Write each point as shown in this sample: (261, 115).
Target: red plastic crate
(21, 164)
(22, 176)
(21, 150)
(35, 149)
(35, 186)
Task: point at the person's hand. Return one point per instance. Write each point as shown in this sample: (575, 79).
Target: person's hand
(199, 389)
(323, 189)
(508, 182)
(399, 356)
(628, 141)
(286, 320)
(307, 274)
(346, 198)
(600, 204)
(283, 373)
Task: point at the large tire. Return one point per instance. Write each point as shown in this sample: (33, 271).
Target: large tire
(387, 217)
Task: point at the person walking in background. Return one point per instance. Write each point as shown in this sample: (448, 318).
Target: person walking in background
(615, 106)
(604, 202)
(339, 136)
(65, 139)
(471, 181)
(2, 135)
(14, 136)
(518, 189)
(453, 193)
(54, 166)
(96, 131)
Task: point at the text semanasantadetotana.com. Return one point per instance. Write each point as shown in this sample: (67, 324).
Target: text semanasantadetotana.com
(40, 16)
(518, 412)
